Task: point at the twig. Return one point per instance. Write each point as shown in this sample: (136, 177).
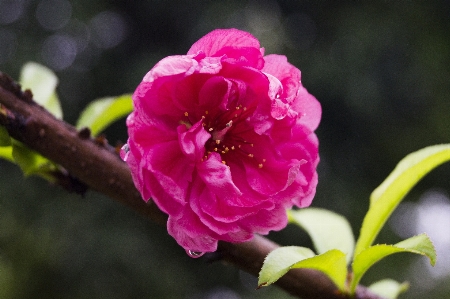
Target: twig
(95, 165)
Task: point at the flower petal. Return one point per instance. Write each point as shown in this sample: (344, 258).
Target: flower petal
(217, 177)
(155, 94)
(201, 199)
(308, 108)
(190, 233)
(214, 95)
(192, 141)
(218, 39)
(289, 75)
(265, 221)
(303, 147)
(172, 170)
(303, 102)
(171, 66)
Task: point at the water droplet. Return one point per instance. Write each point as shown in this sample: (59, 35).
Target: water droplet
(124, 151)
(194, 254)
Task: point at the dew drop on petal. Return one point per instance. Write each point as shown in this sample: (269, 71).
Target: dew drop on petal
(124, 151)
(194, 254)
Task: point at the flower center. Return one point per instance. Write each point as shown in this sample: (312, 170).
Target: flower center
(226, 129)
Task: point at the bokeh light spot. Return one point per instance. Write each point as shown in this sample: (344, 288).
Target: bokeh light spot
(59, 51)
(11, 10)
(108, 29)
(431, 215)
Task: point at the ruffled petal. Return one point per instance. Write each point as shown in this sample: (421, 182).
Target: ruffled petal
(219, 39)
(172, 170)
(305, 104)
(303, 147)
(240, 236)
(289, 75)
(155, 95)
(214, 95)
(172, 66)
(217, 177)
(148, 131)
(308, 108)
(190, 233)
(270, 179)
(265, 221)
(192, 141)
(201, 200)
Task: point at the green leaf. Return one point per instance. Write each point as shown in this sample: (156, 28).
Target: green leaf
(388, 195)
(5, 140)
(42, 82)
(327, 229)
(6, 153)
(30, 162)
(420, 244)
(388, 288)
(101, 113)
(281, 260)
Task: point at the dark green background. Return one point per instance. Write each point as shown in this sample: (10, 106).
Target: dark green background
(379, 68)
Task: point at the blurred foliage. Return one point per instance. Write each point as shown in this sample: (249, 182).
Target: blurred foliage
(380, 70)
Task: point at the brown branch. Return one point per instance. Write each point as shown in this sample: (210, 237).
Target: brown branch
(95, 165)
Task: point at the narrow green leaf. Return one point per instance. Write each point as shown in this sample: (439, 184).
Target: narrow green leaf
(31, 162)
(6, 153)
(388, 288)
(388, 195)
(327, 230)
(42, 82)
(5, 140)
(24, 157)
(332, 263)
(99, 114)
(420, 244)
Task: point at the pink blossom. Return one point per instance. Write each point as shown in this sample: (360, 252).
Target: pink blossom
(222, 140)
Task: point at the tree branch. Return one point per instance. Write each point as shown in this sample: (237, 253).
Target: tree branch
(100, 168)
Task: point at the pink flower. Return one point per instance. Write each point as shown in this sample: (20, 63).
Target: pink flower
(222, 140)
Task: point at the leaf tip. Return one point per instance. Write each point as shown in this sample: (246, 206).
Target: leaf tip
(261, 285)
